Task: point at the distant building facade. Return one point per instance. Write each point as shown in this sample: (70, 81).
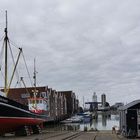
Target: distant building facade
(60, 104)
(71, 102)
(103, 100)
(94, 99)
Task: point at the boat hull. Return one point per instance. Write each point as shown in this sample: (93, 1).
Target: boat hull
(9, 124)
(14, 115)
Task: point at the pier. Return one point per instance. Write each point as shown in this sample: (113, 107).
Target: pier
(70, 135)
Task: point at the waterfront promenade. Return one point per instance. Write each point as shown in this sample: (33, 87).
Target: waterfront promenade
(69, 135)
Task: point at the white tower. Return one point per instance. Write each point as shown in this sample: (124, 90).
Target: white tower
(94, 99)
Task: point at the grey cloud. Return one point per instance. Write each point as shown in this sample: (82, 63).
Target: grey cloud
(81, 45)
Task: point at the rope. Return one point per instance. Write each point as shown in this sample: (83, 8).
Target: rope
(14, 44)
(17, 74)
(2, 38)
(24, 62)
(10, 42)
(21, 79)
(27, 69)
(1, 55)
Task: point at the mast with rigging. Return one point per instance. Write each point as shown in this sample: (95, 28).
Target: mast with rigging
(14, 115)
(6, 42)
(6, 51)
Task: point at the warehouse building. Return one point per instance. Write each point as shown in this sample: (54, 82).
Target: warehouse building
(60, 104)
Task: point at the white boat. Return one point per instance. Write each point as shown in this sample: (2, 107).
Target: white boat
(74, 119)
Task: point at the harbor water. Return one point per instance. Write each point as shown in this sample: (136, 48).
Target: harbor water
(104, 121)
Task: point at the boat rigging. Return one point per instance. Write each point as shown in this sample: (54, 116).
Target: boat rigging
(15, 116)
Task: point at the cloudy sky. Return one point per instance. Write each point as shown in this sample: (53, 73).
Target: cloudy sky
(81, 45)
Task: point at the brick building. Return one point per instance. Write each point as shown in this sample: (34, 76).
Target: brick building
(70, 101)
(59, 103)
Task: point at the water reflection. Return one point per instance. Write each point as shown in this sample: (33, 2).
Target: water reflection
(105, 117)
(103, 121)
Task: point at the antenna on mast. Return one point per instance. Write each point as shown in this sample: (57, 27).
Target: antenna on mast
(34, 77)
(34, 73)
(6, 19)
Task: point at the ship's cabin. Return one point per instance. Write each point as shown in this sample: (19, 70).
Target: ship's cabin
(37, 105)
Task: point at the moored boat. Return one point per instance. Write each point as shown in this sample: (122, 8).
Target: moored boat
(73, 119)
(15, 116)
(87, 116)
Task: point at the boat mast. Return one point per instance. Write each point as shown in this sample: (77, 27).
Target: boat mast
(6, 51)
(6, 41)
(35, 92)
(34, 77)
